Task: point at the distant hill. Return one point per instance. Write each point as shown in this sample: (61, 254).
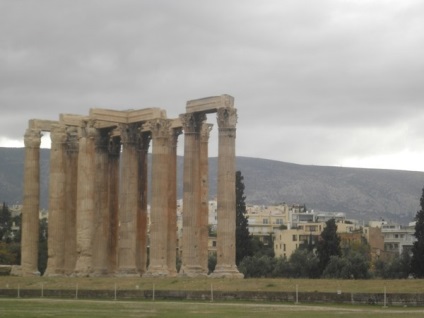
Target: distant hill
(362, 194)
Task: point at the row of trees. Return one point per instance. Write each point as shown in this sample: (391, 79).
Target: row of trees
(326, 259)
(10, 239)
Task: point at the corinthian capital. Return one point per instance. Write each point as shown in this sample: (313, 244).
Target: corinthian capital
(192, 122)
(58, 135)
(205, 131)
(227, 117)
(32, 138)
(159, 127)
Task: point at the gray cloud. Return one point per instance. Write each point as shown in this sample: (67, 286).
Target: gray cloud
(314, 82)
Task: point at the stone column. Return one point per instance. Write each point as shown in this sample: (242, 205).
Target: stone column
(172, 202)
(204, 194)
(101, 220)
(31, 203)
(71, 168)
(142, 220)
(128, 203)
(113, 201)
(57, 195)
(226, 195)
(191, 266)
(158, 266)
(85, 199)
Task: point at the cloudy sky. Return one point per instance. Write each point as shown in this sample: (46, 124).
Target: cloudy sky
(329, 82)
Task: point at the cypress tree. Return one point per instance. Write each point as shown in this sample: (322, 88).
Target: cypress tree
(417, 261)
(243, 238)
(328, 245)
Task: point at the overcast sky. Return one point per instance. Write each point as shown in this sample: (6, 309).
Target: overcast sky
(337, 83)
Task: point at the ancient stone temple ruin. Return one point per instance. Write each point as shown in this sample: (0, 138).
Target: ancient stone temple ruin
(98, 192)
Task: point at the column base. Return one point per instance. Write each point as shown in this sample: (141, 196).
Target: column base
(127, 272)
(192, 271)
(158, 271)
(226, 271)
(100, 273)
(17, 270)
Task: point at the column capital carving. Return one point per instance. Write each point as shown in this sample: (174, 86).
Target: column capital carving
(159, 127)
(32, 138)
(227, 118)
(129, 133)
(72, 139)
(205, 132)
(87, 130)
(173, 136)
(192, 122)
(114, 146)
(58, 135)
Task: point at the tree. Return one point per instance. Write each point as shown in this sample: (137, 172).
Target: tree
(5, 222)
(243, 238)
(328, 245)
(417, 261)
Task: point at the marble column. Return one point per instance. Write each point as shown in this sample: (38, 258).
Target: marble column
(204, 194)
(172, 202)
(57, 195)
(226, 195)
(31, 204)
(191, 266)
(101, 220)
(158, 265)
(113, 201)
(128, 203)
(71, 168)
(142, 219)
(85, 199)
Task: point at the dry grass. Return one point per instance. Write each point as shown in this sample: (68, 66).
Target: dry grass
(304, 285)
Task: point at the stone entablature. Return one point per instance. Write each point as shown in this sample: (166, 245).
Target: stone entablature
(98, 192)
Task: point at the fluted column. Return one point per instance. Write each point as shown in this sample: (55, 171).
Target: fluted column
(71, 168)
(31, 204)
(226, 195)
(204, 194)
(128, 203)
(57, 195)
(191, 266)
(113, 201)
(158, 265)
(172, 202)
(101, 220)
(142, 220)
(85, 199)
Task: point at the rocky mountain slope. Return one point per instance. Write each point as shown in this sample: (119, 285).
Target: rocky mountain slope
(363, 194)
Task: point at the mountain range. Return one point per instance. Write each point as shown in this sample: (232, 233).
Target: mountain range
(363, 194)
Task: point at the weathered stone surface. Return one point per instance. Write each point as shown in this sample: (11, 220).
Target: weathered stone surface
(191, 267)
(57, 225)
(209, 104)
(226, 196)
(31, 204)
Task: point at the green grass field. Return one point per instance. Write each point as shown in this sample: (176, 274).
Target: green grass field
(266, 284)
(87, 308)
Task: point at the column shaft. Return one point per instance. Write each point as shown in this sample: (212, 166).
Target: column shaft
(204, 195)
(128, 204)
(57, 195)
(31, 204)
(226, 195)
(113, 199)
(191, 198)
(158, 265)
(172, 202)
(85, 200)
(142, 220)
(71, 168)
(101, 220)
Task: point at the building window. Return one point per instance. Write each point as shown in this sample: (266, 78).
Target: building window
(265, 221)
(279, 221)
(284, 248)
(214, 243)
(294, 237)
